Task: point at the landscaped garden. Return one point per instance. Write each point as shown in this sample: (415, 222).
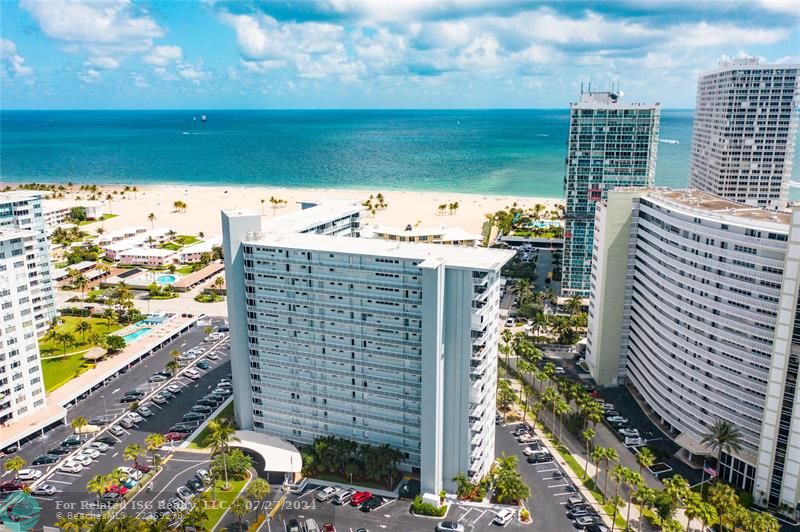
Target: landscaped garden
(199, 441)
(341, 460)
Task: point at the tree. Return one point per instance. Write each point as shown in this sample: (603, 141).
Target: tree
(574, 305)
(14, 464)
(151, 218)
(722, 437)
(115, 343)
(66, 339)
(173, 366)
(645, 497)
(724, 500)
(109, 315)
(222, 433)
(83, 327)
(442, 207)
(645, 458)
(609, 455)
(240, 508)
(78, 423)
(701, 511)
(258, 490)
(587, 435)
(154, 442)
(80, 282)
(616, 503)
(761, 522)
(510, 488)
(175, 354)
(560, 408)
(133, 452)
(98, 485)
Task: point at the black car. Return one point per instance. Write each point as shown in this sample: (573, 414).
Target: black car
(195, 485)
(202, 409)
(110, 498)
(193, 416)
(206, 402)
(164, 373)
(11, 449)
(72, 441)
(129, 399)
(166, 394)
(59, 451)
(108, 440)
(181, 430)
(371, 504)
(98, 421)
(539, 458)
(293, 526)
(216, 399)
(45, 459)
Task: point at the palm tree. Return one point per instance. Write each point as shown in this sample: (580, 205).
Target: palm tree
(609, 455)
(109, 315)
(78, 423)
(66, 339)
(133, 452)
(15, 464)
(173, 366)
(574, 305)
(633, 480)
(259, 489)
(154, 442)
(587, 435)
(616, 502)
(240, 508)
(98, 485)
(722, 437)
(560, 408)
(83, 327)
(645, 458)
(645, 497)
(151, 218)
(724, 500)
(175, 354)
(80, 282)
(222, 433)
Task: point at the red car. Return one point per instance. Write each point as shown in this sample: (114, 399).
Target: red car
(12, 485)
(144, 468)
(175, 436)
(122, 490)
(328, 527)
(359, 497)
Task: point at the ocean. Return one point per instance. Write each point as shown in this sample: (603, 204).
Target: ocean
(509, 152)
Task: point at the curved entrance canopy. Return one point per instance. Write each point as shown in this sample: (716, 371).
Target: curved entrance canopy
(279, 455)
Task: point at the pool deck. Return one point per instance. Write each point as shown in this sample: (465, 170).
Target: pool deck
(60, 398)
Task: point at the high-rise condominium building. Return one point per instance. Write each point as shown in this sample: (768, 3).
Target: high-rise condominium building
(694, 308)
(374, 341)
(23, 210)
(21, 384)
(744, 133)
(611, 144)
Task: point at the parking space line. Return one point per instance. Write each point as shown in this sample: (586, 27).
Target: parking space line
(59, 481)
(465, 514)
(558, 485)
(563, 495)
(478, 518)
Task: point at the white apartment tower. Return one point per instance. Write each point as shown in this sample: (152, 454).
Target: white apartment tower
(611, 144)
(744, 132)
(23, 210)
(694, 308)
(374, 341)
(21, 382)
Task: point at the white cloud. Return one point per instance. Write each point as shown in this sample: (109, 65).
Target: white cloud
(703, 34)
(260, 67)
(788, 7)
(13, 63)
(163, 55)
(100, 26)
(193, 73)
(90, 76)
(105, 63)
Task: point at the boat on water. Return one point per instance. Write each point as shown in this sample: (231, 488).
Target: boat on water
(669, 141)
(203, 118)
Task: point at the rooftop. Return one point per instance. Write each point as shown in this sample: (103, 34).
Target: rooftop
(454, 256)
(608, 100)
(304, 219)
(443, 232)
(711, 204)
(148, 252)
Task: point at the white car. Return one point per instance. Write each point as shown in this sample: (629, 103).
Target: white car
(91, 452)
(510, 322)
(29, 474)
(503, 517)
(159, 400)
(131, 472)
(83, 459)
(526, 438)
(144, 411)
(174, 388)
(100, 446)
(136, 418)
(212, 356)
(185, 494)
(44, 489)
(532, 449)
(192, 374)
(71, 467)
(327, 493)
(559, 370)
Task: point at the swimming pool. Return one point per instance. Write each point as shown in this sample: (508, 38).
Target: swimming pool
(135, 335)
(166, 279)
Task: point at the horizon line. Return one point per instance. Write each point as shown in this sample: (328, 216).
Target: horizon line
(198, 109)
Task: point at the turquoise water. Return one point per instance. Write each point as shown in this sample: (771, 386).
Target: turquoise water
(166, 279)
(135, 335)
(514, 152)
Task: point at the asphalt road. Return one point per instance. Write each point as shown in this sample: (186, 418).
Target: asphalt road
(72, 496)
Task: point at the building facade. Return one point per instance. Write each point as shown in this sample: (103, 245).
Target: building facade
(23, 210)
(744, 132)
(373, 341)
(611, 144)
(703, 284)
(21, 381)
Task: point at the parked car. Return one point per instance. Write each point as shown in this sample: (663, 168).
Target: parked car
(129, 399)
(628, 432)
(99, 445)
(192, 374)
(108, 440)
(328, 527)
(185, 494)
(159, 399)
(343, 496)
(212, 356)
(574, 501)
(203, 476)
(12, 485)
(180, 430)
(136, 393)
(635, 442)
(59, 451)
(326, 493)
(136, 418)
(117, 431)
(125, 423)
(371, 504)
(144, 411)
(579, 511)
(110, 498)
(597, 527)
(72, 441)
(144, 468)
(131, 472)
(195, 484)
(44, 490)
(173, 388)
(532, 449)
(122, 490)
(293, 526)
(175, 436)
(70, 466)
(503, 517)
(224, 392)
(203, 409)
(359, 497)
(559, 370)
(193, 416)
(586, 520)
(29, 474)
(98, 421)
(202, 364)
(617, 419)
(45, 459)
(311, 526)
(82, 459)
(526, 438)
(157, 378)
(206, 402)
(449, 526)
(540, 458)
(91, 452)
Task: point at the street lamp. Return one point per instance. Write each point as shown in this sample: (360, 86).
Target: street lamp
(105, 410)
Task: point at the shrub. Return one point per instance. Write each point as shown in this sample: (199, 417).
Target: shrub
(524, 515)
(423, 508)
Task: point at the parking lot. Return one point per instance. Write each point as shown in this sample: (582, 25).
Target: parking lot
(72, 496)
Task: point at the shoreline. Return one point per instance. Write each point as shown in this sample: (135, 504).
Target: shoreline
(204, 203)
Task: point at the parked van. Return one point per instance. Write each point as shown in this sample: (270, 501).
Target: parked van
(311, 526)
(192, 374)
(343, 496)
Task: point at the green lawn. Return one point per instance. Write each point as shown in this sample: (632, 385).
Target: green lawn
(59, 371)
(99, 325)
(170, 245)
(185, 240)
(224, 499)
(199, 441)
(105, 217)
(185, 270)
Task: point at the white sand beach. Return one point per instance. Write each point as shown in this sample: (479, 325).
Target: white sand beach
(204, 203)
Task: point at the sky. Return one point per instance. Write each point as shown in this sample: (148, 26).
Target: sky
(121, 54)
